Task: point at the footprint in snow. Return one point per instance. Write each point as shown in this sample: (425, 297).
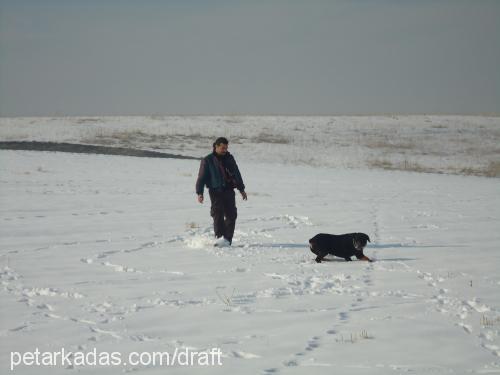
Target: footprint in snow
(271, 371)
(244, 355)
(343, 316)
(312, 344)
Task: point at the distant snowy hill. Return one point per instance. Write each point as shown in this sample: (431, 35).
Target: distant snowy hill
(445, 144)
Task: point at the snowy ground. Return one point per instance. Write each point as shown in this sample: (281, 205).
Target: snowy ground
(115, 253)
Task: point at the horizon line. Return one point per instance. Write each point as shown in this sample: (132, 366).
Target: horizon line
(382, 114)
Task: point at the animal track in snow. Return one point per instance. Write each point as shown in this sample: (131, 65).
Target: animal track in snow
(243, 355)
(463, 311)
(10, 281)
(313, 343)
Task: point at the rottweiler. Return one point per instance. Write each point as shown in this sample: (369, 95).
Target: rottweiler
(342, 245)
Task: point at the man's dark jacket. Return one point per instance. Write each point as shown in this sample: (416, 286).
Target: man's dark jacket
(219, 173)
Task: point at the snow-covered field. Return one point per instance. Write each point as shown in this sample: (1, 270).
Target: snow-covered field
(114, 253)
(445, 144)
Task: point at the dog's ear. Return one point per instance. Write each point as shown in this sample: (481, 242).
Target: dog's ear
(364, 237)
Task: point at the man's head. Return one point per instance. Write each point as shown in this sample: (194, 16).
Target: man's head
(220, 146)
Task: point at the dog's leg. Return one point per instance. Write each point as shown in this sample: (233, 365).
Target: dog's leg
(313, 249)
(316, 251)
(348, 259)
(321, 255)
(364, 257)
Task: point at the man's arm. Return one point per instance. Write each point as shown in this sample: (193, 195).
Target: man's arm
(200, 182)
(237, 175)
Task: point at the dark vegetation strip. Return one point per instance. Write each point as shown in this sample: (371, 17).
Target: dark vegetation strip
(88, 149)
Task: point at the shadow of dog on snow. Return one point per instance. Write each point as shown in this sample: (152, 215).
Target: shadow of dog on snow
(343, 246)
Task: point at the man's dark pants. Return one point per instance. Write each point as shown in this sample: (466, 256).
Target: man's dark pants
(224, 213)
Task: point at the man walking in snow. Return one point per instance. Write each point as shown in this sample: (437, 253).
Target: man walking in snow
(220, 173)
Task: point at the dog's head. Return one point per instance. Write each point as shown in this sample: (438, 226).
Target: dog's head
(359, 241)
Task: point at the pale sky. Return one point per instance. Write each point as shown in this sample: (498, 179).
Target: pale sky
(126, 57)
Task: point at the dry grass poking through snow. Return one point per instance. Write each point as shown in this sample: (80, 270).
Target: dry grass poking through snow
(466, 145)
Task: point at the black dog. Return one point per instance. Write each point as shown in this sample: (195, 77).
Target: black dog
(343, 246)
